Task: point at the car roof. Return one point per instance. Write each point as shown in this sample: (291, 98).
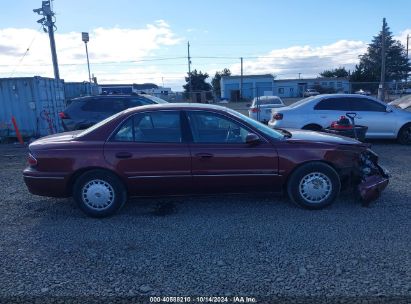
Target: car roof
(178, 106)
(108, 96)
(267, 97)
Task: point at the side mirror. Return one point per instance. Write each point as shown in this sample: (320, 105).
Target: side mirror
(388, 109)
(252, 139)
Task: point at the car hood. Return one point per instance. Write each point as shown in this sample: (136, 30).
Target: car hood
(403, 102)
(313, 136)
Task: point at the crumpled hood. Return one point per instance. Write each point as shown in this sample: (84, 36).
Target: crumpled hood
(313, 136)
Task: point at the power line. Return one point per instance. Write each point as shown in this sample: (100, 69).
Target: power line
(27, 50)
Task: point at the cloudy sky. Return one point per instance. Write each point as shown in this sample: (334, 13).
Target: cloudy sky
(146, 41)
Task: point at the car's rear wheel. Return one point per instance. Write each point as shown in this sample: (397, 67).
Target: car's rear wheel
(99, 193)
(404, 136)
(314, 185)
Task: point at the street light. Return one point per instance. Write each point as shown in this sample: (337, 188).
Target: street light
(85, 38)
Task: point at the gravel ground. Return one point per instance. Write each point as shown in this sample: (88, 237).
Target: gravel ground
(256, 246)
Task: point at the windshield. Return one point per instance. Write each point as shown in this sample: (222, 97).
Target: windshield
(98, 125)
(258, 125)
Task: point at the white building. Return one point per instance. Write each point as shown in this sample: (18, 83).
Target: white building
(263, 85)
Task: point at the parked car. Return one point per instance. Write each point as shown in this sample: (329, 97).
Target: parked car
(171, 149)
(84, 112)
(362, 92)
(260, 108)
(403, 103)
(310, 92)
(316, 113)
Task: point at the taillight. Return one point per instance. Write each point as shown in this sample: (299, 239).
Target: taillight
(255, 110)
(32, 160)
(278, 116)
(63, 115)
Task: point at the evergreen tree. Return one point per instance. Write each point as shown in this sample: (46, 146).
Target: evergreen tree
(338, 72)
(198, 82)
(215, 82)
(397, 66)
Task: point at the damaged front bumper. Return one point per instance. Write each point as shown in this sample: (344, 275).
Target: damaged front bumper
(371, 186)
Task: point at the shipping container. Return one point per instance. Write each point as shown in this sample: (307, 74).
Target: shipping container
(34, 102)
(79, 89)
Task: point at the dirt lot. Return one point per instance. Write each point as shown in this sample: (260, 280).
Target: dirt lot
(211, 246)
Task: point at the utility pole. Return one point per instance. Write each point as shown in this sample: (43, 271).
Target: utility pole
(189, 71)
(241, 79)
(299, 75)
(381, 91)
(49, 27)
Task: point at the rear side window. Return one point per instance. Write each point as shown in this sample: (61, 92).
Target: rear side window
(151, 127)
(339, 104)
(104, 105)
(365, 104)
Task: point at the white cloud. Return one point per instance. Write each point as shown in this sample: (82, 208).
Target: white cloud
(308, 60)
(106, 45)
(402, 37)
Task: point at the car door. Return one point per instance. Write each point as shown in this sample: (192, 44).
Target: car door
(149, 151)
(223, 162)
(374, 115)
(328, 110)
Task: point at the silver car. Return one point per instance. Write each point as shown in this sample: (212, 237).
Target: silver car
(318, 112)
(261, 107)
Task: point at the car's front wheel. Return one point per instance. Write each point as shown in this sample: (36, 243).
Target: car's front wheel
(99, 193)
(314, 185)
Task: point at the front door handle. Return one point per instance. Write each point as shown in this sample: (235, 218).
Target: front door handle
(123, 155)
(204, 155)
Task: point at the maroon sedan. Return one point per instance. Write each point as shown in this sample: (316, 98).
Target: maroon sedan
(175, 149)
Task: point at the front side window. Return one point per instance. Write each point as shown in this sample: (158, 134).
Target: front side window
(365, 104)
(208, 127)
(151, 127)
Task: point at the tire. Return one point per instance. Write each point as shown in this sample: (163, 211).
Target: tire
(99, 193)
(404, 135)
(314, 185)
(312, 127)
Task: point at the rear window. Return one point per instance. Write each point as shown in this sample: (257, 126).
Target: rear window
(155, 99)
(104, 105)
(269, 101)
(138, 101)
(302, 102)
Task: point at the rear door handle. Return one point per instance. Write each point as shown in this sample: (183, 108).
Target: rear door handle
(204, 155)
(123, 155)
